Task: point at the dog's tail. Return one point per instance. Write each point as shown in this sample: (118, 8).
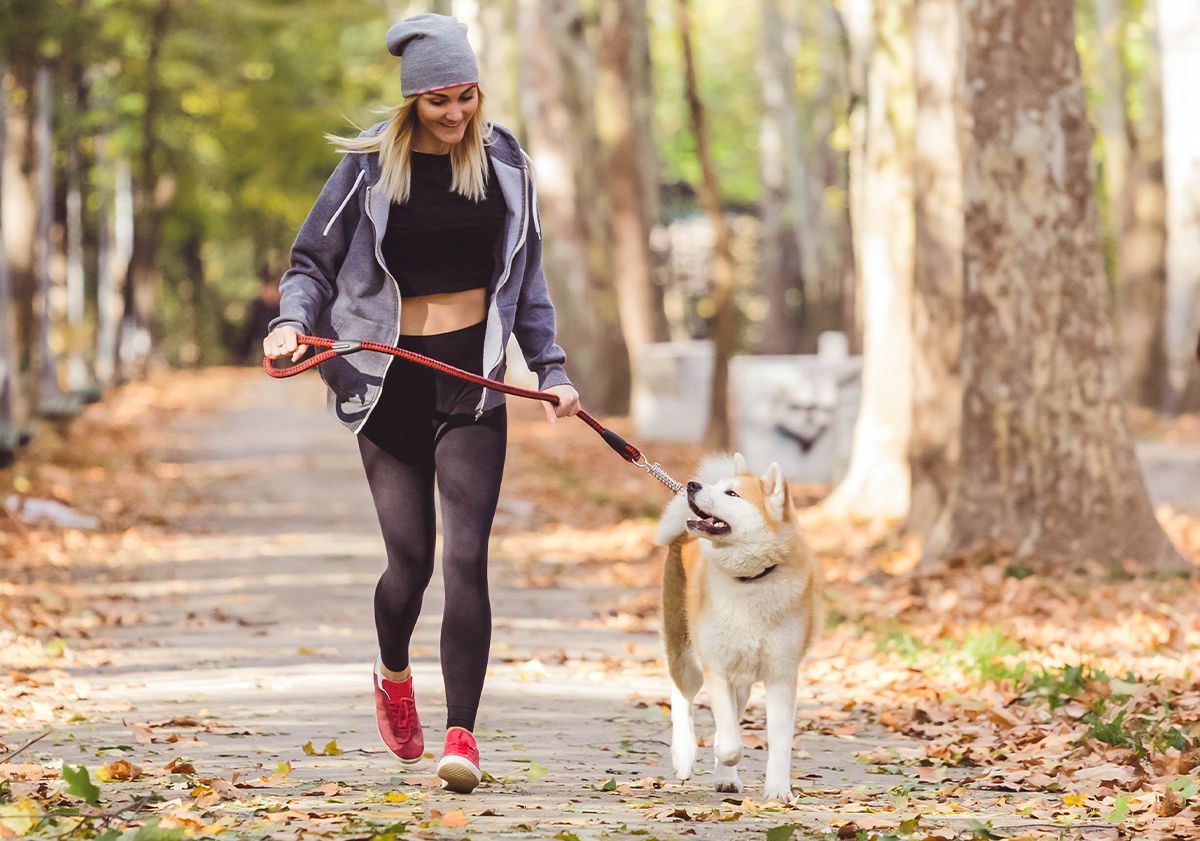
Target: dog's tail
(681, 658)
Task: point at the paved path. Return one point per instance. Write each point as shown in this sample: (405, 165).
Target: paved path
(257, 612)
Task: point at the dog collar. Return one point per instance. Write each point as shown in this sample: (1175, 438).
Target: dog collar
(756, 577)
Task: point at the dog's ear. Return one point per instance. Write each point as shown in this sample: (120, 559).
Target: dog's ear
(673, 524)
(775, 491)
(739, 464)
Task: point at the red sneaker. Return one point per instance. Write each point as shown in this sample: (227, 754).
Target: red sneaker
(396, 715)
(459, 766)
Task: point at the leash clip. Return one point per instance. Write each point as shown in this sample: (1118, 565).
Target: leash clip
(656, 470)
(345, 347)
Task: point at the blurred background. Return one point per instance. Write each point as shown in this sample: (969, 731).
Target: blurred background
(738, 199)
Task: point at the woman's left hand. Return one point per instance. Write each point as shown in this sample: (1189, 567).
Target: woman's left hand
(568, 402)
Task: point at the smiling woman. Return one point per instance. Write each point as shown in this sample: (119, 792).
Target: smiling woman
(426, 237)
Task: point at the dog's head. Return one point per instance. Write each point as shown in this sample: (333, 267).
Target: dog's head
(727, 503)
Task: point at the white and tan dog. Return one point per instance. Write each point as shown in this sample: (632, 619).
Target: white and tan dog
(741, 603)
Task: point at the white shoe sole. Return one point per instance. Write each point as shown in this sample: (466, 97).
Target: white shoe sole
(458, 774)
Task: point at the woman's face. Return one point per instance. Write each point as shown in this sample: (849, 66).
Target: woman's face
(446, 112)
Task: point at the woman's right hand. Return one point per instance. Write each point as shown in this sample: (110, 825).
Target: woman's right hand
(281, 341)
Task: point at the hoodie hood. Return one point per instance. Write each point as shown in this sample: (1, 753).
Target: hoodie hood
(501, 144)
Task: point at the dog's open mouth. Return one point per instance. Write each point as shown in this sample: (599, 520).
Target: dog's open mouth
(707, 524)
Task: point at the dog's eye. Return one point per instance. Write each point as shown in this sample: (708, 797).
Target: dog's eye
(731, 492)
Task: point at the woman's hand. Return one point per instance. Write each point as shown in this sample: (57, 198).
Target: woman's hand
(281, 341)
(568, 402)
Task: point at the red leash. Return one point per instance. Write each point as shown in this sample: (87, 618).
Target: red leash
(343, 347)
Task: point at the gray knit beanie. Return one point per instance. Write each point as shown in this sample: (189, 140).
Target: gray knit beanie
(434, 53)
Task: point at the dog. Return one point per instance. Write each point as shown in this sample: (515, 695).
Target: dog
(740, 603)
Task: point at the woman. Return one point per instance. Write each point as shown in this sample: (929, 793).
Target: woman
(427, 236)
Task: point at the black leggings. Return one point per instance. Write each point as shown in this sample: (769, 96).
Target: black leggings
(424, 425)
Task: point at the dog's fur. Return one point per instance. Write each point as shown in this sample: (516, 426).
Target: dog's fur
(725, 633)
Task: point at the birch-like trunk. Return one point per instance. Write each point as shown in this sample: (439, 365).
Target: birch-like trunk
(20, 228)
(50, 399)
(937, 263)
(1179, 31)
(876, 483)
(1048, 466)
(9, 398)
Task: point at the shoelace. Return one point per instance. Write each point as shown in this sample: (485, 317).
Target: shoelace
(398, 708)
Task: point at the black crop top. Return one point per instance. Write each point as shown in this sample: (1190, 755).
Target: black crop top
(440, 241)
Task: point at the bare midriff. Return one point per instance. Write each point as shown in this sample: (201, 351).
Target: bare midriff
(423, 315)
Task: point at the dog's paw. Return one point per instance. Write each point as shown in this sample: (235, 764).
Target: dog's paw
(781, 792)
(725, 778)
(683, 762)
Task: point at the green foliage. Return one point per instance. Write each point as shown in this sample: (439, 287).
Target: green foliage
(79, 784)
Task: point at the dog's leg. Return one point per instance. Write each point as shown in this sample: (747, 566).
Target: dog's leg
(727, 743)
(781, 724)
(683, 729)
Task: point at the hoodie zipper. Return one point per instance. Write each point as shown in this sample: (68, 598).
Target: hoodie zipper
(504, 277)
(396, 340)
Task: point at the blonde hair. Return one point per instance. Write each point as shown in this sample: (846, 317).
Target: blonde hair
(468, 158)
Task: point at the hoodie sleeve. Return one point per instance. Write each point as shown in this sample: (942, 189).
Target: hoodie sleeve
(534, 324)
(308, 286)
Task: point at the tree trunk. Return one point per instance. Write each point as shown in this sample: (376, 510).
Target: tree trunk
(20, 228)
(937, 264)
(876, 483)
(489, 27)
(151, 200)
(114, 237)
(724, 333)
(1179, 31)
(1048, 466)
(9, 398)
(620, 103)
(50, 399)
(562, 136)
(781, 165)
(1142, 280)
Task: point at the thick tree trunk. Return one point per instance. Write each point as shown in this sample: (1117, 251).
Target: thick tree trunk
(562, 136)
(620, 104)
(876, 483)
(1142, 267)
(1179, 30)
(724, 333)
(937, 264)
(1048, 466)
(781, 165)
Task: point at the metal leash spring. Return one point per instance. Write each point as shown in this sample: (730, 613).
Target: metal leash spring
(656, 470)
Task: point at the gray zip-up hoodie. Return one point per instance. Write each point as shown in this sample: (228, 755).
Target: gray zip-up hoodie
(338, 285)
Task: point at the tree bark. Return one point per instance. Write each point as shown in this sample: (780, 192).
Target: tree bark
(724, 333)
(937, 264)
(562, 135)
(1048, 467)
(1142, 279)
(876, 483)
(1179, 31)
(621, 104)
(781, 166)
(9, 396)
(20, 226)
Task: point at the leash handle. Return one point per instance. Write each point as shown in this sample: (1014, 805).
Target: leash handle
(344, 347)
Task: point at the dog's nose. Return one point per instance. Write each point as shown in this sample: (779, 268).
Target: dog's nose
(694, 486)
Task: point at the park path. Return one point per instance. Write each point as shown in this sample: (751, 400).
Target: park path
(253, 619)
